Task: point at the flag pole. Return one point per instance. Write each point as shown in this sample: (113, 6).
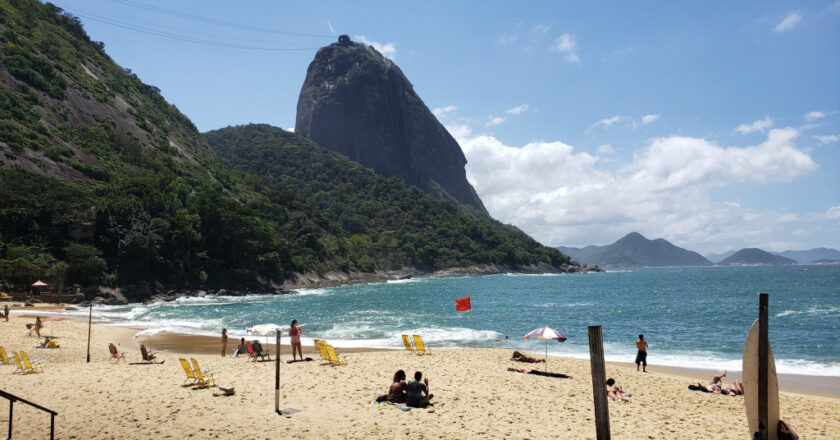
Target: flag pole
(472, 324)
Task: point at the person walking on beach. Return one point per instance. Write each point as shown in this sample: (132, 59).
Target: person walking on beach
(294, 334)
(641, 356)
(224, 341)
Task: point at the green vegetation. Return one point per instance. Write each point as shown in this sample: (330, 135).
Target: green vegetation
(103, 182)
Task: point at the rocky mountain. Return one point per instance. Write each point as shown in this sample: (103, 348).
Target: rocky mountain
(753, 256)
(360, 104)
(811, 255)
(102, 182)
(634, 250)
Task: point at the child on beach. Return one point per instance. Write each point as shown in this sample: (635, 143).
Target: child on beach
(616, 393)
(294, 334)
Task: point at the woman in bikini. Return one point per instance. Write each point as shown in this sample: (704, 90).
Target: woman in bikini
(396, 393)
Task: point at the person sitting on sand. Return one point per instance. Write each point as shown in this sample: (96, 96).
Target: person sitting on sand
(396, 392)
(616, 393)
(519, 357)
(239, 349)
(417, 392)
(48, 343)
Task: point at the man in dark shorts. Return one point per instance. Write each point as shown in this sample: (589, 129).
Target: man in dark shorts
(641, 356)
(417, 393)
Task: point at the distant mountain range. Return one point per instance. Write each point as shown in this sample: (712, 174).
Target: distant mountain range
(634, 250)
(753, 256)
(817, 255)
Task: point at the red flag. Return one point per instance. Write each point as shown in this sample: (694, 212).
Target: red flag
(462, 304)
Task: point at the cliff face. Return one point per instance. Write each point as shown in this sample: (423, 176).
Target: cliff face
(358, 103)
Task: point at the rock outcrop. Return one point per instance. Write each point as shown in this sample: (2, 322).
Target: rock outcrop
(358, 103)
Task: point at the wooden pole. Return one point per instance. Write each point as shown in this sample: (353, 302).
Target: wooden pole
(599, 383)
(763, 352)
(277, 376)
(90, 319)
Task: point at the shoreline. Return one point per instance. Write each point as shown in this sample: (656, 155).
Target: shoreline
(811, 385)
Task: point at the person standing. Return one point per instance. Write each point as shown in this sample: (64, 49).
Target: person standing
(294, 335)
(641, 356)
(6, 312)
(224, 341)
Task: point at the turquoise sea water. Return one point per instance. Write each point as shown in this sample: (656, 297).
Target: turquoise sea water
(692, 317)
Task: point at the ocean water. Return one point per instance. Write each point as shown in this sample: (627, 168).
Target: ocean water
(692, 317)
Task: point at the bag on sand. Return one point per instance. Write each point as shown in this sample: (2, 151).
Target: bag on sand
(785, 432)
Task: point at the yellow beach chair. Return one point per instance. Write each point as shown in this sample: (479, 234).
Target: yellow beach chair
(332, 357)
(320, 346)
(189, 372)
(29, 367)
(20, 369)
(4, 358)
(407, 343)
(421, 349)
(203, 381)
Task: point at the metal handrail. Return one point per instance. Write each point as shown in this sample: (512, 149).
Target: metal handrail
(12, 399)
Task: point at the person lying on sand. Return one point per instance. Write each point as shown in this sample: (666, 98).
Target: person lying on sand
(616, 393)
(396, 392)
(519, 357)
(716, 386)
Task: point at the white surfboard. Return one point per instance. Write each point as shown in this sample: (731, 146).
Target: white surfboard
(750, 377)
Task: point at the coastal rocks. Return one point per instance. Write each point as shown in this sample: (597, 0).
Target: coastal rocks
(360, 104)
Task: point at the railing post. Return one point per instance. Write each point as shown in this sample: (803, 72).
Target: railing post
(11, 407)
(599, 383)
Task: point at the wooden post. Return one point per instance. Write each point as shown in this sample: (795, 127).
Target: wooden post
(90, 319)
(763, 352)
(277, 376)
(599, 383)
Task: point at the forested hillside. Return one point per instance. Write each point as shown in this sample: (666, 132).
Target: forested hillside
(102, 182)
(375, 222)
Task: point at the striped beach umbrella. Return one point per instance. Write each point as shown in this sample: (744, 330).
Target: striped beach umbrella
(546, 334)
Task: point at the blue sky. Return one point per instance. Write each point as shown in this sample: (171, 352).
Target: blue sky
(715, 125)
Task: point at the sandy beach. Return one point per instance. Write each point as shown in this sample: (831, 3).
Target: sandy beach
(477, 397)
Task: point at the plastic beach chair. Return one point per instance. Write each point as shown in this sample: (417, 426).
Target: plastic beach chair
(4, 358)
(250, 349)
(189, 372)
(421, 349)
(203, 381)
(407, 343)
(332, 357)
(29, 365)
(19, 365)
(115, 354)
(322, 351)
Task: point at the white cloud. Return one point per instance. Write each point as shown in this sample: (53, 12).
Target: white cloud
(459, 131)
(291, 129)
(606, 149)
(827, 139)
(606, 122)
(495, 120)
(388, 50)
(518, 110)
(562, 196)
(541, 28)
(788, 23)
(506, 39)
(647, 119)
(440, 112)
(566, 44)
(811, 116)
(760, 125)
(332, 29)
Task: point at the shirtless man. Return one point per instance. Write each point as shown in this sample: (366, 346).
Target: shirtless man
(641, 356)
